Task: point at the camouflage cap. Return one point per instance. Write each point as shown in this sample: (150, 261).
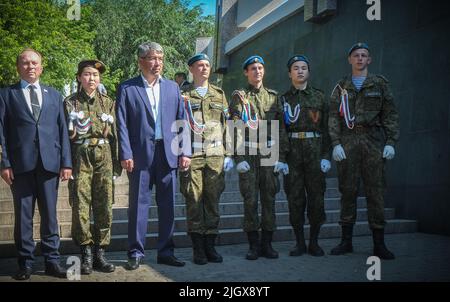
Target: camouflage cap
(359, 45)
(97, 64)
(251, 60)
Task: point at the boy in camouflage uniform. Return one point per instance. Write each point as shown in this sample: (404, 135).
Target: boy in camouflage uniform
(202, 184)
(91, 123)
(306, 120)
(249, 105)
(363, 127)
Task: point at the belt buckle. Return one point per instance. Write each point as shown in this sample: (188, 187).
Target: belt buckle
(302, 135)
(93, 141)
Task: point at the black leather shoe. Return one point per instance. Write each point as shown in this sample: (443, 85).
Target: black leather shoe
(55, 270)
(133, 263)
(24, 273)
(170, 260)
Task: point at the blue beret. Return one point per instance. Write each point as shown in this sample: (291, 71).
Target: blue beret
(359, 45)
(198, 57)
(297, 58)
(251, 60)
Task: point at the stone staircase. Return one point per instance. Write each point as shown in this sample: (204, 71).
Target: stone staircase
(231, 211)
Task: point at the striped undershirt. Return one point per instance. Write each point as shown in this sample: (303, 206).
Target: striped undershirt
(201, 90)
(358, 81)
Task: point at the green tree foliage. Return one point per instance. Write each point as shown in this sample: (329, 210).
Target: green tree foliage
(43, 25)
(122, 25)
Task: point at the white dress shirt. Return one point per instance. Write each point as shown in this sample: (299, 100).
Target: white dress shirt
(153, 92)
(26, 92)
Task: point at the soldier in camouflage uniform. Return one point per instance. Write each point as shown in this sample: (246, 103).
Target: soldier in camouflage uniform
(92, 131)
(202, 184)
(306, 120)
(363, 126)
(249, 105)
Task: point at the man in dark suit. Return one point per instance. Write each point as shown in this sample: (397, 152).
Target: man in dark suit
(36, 153)
(151, 149)
(181, 79)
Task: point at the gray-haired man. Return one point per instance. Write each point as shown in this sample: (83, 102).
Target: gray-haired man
(147, 106)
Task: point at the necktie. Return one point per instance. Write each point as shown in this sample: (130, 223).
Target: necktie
(34, 102)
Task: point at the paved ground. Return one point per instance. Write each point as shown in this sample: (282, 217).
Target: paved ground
(420, 257)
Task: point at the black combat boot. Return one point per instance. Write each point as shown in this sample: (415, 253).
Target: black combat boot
(266, 245)
(346, 242)
(253, 240)
(198, 248)
(211, 254)
(100, 262)
(86, 259)
(379, 248)
(300, 247)
(314, 249)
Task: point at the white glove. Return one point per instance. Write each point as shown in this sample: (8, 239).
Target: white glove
(228, 164)
(243, 167)
(338, 153)
(279, 166)
(114, 178)
(388, 152)
(285, 170)
(325, 165)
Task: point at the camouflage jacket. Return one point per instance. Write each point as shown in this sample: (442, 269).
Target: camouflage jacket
(92, 113)
(373, 108)
(265, 103)
(211, 111)
(313, 116)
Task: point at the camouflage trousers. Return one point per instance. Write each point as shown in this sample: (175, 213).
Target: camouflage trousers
(259, 180)
(201, 187)
(364, 160)
(305, 183)
(91, 188)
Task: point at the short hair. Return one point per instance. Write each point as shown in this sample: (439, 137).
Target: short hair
(25, 50)
(181, 74)
(144, 48)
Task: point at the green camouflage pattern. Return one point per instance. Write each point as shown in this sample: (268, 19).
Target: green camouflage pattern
(305, 183)
(204, 182)
(260, 180)
(92, 186)
(376, 125)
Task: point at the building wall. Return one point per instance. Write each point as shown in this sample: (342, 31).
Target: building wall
(409, 46)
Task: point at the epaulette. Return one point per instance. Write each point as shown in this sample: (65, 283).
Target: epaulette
(103, 94)
(272, 91)
(217, 88)
(382, 77)
(317, 89)
(71, 98)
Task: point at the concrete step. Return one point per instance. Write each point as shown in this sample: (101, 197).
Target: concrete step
(226, 222)
(225, 208)
(121, 187)
(121, 200)
(227, 236)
